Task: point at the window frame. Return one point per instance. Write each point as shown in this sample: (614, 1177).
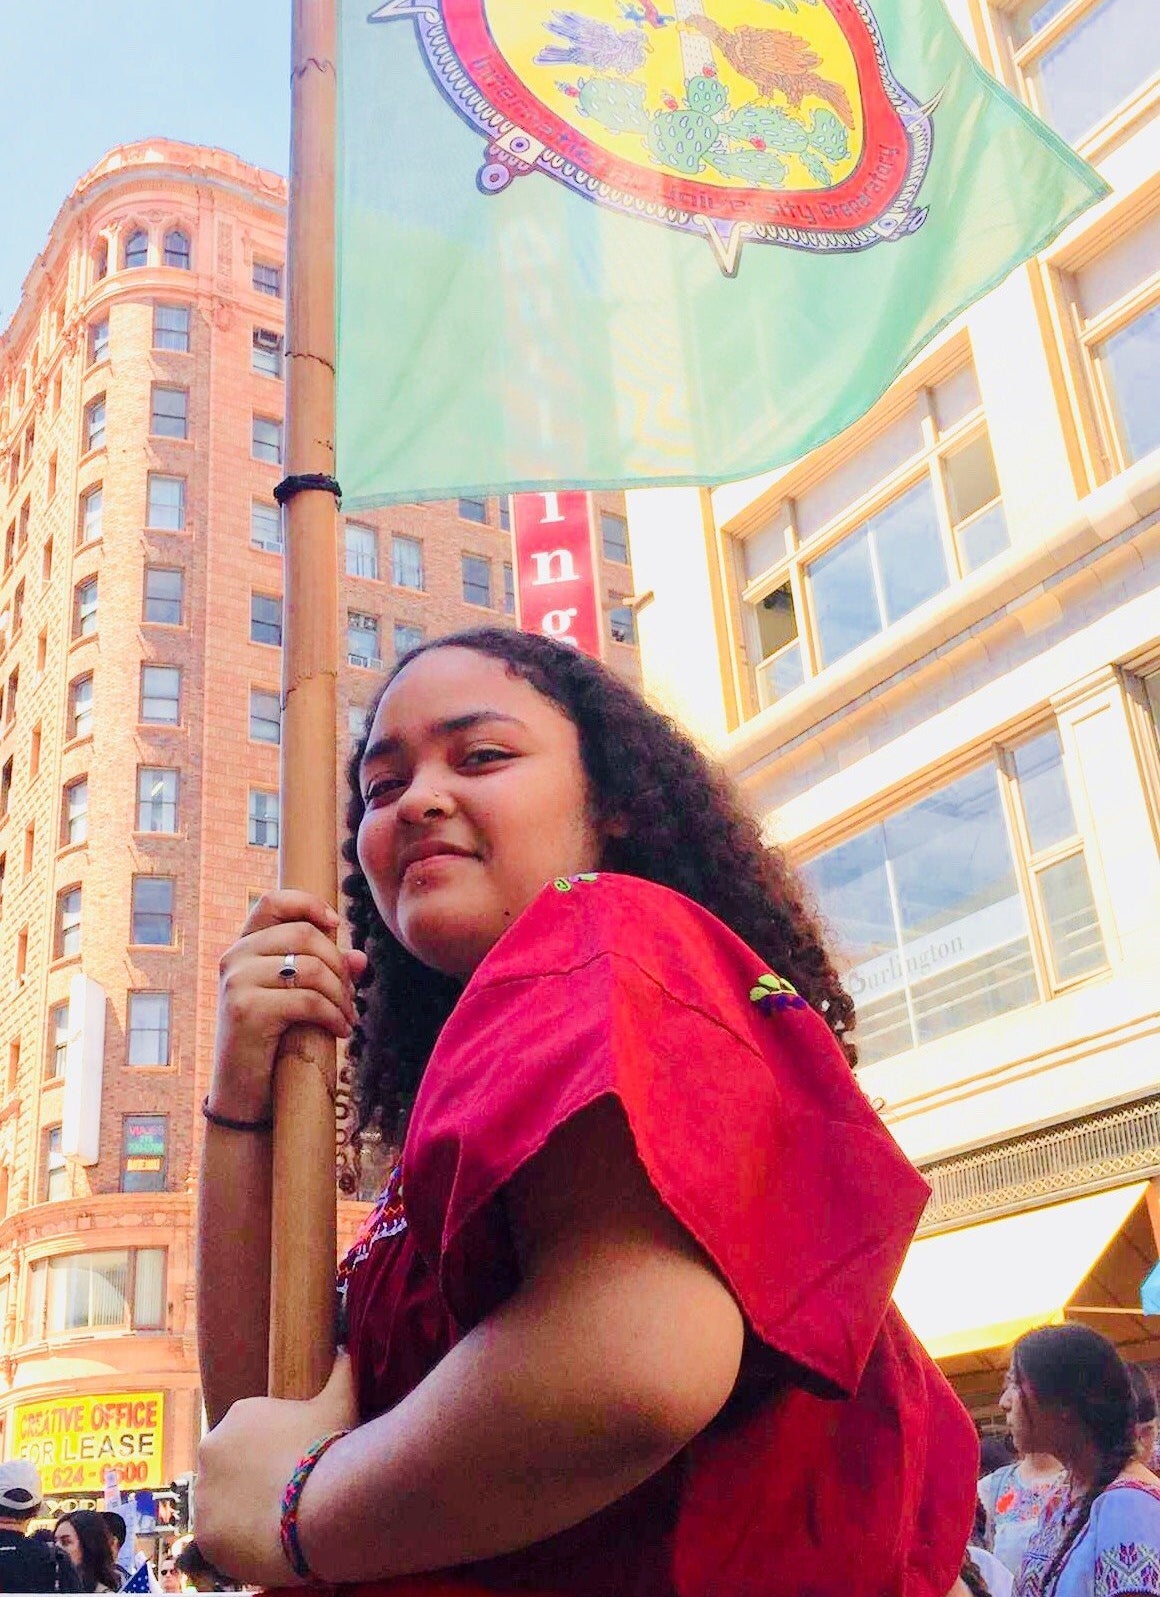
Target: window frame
(1028, 864)
(256, 444)
(151, 570)
(95, 491)
(466, 583)
(270, 698)
(1102, 443)
(184, 261)
(48, 1169)
(179, 523)
(69, 817)
(182, 348)
(68, 927)
(132, 246)
(93, 437)
(34, 1319)
(164, 803)
(135, 910)
(268, 353)
(158, 665)
(257, 826)
(267, 547)
(177, 418)
(137, 993)
(74, 721)
(1021, 61)
(275, 599)
(792, 568)
(273, 285)
(56, 1049)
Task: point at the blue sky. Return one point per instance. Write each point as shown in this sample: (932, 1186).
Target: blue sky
(78, 77)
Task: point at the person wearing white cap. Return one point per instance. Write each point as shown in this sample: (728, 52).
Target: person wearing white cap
(27, 1565)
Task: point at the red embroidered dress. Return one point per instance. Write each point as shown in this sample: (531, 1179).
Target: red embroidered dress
(843, 1464)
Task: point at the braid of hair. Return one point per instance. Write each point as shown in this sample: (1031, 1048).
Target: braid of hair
(1112, 1461)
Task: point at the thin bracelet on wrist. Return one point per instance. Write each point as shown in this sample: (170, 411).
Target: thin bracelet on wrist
(226, 1124)
(291, 1499)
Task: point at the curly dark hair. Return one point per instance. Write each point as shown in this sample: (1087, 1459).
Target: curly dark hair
(1075, 1367)
(685, 828)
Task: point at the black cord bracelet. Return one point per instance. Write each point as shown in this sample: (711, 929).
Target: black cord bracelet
(235, 1125)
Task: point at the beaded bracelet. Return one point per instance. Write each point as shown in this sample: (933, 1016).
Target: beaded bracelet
(292, 1496)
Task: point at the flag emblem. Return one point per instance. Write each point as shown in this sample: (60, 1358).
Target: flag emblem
(771, 121)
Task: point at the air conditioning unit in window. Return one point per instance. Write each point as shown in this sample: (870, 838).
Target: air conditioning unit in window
(367, 662)
(265, 339)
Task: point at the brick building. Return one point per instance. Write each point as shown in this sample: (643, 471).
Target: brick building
(141, 399)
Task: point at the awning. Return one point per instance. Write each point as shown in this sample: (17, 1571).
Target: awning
(968, 1291)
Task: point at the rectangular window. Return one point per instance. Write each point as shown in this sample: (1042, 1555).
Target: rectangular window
(164, 595)
(29, 846)
(85, 608)
(266, 527)
(80, 707)
(171, 328)
(1078, 72)
(165, 508)
(266, 440)
(151, 916)
(407, 562)
(94, 434)
(509, 590)
(362, 640)
(55, 1169)
(476, 580)
(156, 799)
(362, 551)
(75, 812)
(169, 412)
(505, 512)
(175, 250)
(265, 716)
(614, 537)
(50, 484)
(68, 923)
(143, 1153)
(1056, 861)
(406, 638)
(474, 510)
(161, 694)
(263, 819)
(266, 619)
(148, 1029)
(818, 580)
(46, 563)
(929, 906)
(621, 621)
(98, 340)
(1115, 305)
(266, 352)
(17, 610)
(89, 525)
(11, 696)
(356, 721)
(114, 1290)
(57, 1042)
(267, 279)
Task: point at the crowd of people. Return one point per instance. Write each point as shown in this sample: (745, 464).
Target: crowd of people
(86, 1550)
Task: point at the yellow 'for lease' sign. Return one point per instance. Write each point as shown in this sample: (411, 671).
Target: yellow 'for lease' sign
(74, 1440)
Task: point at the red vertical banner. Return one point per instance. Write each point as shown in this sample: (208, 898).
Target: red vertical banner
(556, 569)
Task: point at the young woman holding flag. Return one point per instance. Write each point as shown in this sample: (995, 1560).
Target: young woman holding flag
(620, 1322)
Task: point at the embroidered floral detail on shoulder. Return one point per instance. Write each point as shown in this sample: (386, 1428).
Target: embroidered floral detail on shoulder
(386, 1219)
(565, 884)
(774, 992)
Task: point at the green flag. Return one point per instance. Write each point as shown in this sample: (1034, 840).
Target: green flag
(634, 242)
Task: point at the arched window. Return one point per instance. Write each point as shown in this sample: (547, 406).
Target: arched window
(136, 248)
(177, 249)
(100, 261)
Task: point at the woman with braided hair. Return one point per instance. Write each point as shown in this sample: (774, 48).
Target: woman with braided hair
(1068, 1393)
(619, 1324)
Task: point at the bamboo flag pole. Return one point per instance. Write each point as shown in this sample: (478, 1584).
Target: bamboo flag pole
(304, 1243)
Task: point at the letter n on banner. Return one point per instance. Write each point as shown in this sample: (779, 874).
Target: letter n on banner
(556, 570)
